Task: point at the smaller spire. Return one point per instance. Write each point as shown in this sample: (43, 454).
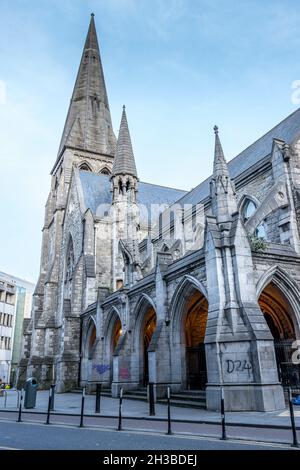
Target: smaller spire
(124, 163)
(223, 198)
(220, 165)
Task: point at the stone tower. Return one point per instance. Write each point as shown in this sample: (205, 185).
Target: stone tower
(124, 181)
(88, 142)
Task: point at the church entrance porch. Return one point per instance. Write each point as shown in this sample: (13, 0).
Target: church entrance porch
(115, 335)
(280, 319)
(147, 330)
(188, 328)
(194, 321)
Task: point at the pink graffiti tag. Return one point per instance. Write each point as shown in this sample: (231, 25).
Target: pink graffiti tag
(124, 373)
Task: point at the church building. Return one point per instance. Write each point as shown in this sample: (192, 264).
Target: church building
(141, 283)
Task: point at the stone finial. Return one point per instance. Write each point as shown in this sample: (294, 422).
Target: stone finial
(216, 129)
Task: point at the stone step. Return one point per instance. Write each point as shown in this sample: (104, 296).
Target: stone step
(186, 399)
(139, 392)
(200, 404)
(189, 398)
(197, 404)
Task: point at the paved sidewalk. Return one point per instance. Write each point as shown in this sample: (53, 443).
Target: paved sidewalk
(70, 403)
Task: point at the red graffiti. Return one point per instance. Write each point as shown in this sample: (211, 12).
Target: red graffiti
(124, 373)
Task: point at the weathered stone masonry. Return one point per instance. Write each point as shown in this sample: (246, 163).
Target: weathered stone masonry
(197, 303)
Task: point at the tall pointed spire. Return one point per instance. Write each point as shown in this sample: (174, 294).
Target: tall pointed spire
(223, 198)
(88, 125)
(124, 163)
(220, 165)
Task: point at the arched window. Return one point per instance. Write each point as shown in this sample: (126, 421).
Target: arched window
(85, 167)
(69, 262)
(120, 187)
(248, 209)
(260, 232)
(105, 171)
(69, 270)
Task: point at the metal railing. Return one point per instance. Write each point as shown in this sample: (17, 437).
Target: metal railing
(220, 421)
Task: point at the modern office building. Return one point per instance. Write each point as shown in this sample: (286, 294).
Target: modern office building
(15, 305)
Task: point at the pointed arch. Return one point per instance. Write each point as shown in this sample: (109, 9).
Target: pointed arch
(165, 248)
(113, 314)
(105, 171)
(245, 198)
(188, 320)
(285, 283)
(112, 333)
(90, 340)
(69, 265)
(84, 166)
(188, 283)
(248, 206)
(142, 303)
(145, 321)
(69, 258)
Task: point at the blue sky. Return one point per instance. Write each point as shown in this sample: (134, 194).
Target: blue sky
(180, 66)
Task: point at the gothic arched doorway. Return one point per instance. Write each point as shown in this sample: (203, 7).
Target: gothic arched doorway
(113, 331)
(279, 316)
(92, 341)
(194, 325)
(116, 333)
(147, 330)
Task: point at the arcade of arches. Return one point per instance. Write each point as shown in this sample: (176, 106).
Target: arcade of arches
(277, 312)
(193, 312)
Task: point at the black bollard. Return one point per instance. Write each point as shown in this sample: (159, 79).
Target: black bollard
(82, 408)
(120, 411)
(98, 398)
(151, 399)
(169, 411)
(19, 420)
(294, 430)
(49, 406)
(224, 437)
(52, 397)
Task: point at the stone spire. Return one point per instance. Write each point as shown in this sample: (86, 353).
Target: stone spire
(220, 165)
(223, 198)
(88, 125)
(124, 163)
(124, 175)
